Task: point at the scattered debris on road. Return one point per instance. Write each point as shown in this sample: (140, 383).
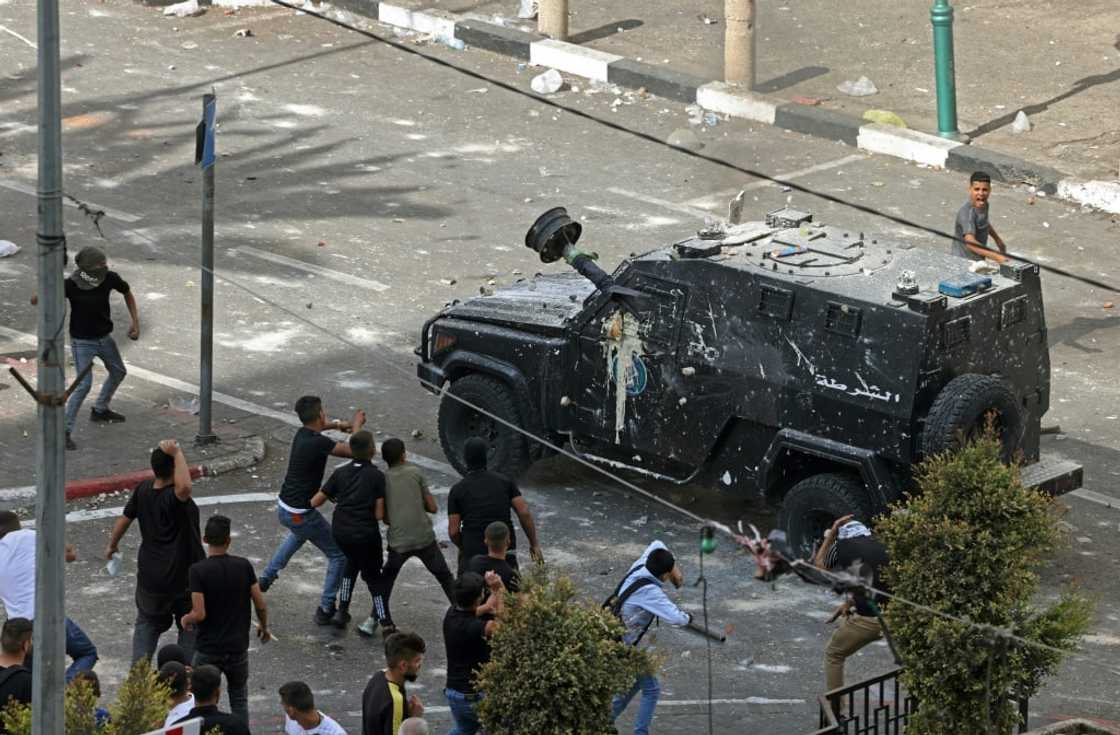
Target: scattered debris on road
(862, 87)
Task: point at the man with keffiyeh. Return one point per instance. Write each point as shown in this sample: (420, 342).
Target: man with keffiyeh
(849, 546)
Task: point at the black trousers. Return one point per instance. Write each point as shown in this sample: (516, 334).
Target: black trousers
(433, 560)
(362, 558)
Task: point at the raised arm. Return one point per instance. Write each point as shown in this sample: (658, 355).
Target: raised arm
(182, 477)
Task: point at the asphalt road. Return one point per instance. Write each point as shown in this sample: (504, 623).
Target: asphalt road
(361, 188)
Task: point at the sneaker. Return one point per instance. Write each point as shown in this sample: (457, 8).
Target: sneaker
(107, 416)
(70, 442)
(340, 618)
(265, 582)
(387, 629)
(323, 617)
(368, 626)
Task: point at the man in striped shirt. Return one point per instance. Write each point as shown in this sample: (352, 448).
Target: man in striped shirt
(385, 703)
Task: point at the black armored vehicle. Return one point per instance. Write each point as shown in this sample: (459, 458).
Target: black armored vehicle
(808, 363)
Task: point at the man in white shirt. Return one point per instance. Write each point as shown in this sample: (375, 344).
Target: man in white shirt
(178, 680)
(17, 588)
(643, 601)
(300, 715)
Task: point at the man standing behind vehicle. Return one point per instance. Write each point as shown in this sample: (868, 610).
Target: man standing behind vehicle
(973, 226)
(408, 502)
(222, 588)
(170, 542)
(91, 334)
(307, 461)
(481, 498)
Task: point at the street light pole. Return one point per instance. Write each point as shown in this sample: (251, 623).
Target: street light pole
(206, 347)
(50, 520)
(941, 16)
(738, 42)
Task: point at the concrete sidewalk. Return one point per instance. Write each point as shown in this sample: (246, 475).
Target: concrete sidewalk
(1060, 62)
(111, 457)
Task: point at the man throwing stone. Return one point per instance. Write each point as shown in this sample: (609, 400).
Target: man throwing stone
(91, 334)
(170, 543)
(307, 461)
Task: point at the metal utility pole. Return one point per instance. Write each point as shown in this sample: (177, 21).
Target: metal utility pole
(50, 510)
(941, 16)
(204, 155)
(738, 42)
(552, 19)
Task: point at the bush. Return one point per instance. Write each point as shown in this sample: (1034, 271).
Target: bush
(141, 707)
(969, 544)
(555, 664)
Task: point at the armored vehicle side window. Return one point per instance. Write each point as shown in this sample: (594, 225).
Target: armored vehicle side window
(660, 313)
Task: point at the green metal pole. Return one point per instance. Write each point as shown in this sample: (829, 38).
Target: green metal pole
(941, 16)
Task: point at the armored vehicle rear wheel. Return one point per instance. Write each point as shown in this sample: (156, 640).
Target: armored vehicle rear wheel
(812, 505)
(963, 407)
(458, 422)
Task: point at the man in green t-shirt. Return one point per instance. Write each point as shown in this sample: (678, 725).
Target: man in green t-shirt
(408, 501)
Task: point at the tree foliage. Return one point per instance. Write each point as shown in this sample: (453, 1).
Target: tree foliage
(969, 544)
(556, 663)
(140, 707)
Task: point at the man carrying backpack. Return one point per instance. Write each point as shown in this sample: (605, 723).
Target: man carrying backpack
(639, 601)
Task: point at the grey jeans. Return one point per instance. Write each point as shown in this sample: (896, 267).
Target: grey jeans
(84, 351)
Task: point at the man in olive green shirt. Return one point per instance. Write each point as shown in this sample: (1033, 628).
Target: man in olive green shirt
(408, 502)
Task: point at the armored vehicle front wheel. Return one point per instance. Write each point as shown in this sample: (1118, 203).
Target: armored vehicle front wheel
(458, 422)
(812, 505)
(963, 408)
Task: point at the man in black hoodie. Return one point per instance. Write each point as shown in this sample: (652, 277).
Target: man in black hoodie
(481, 498)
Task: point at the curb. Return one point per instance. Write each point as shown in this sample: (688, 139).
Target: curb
(252, 454)
(907, 144)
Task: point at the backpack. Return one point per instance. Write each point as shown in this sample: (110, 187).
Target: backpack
(619, 597)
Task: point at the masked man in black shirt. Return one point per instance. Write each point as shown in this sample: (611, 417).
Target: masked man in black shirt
(170, 542)
(91, 333)
(307, 461)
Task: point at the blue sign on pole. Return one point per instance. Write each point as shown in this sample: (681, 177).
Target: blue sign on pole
(204, 134)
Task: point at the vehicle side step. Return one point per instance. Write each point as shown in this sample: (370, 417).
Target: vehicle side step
(1052, 475)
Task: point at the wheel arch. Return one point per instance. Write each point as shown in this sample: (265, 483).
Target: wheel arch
(795, 455)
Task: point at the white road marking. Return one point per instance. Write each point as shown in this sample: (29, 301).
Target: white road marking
(109, 212)
(16, 128)
(719, 199)
(1100, 498)
(309, 268)
(231, 401)
(77, 516)
(682, 208)
(13, 33)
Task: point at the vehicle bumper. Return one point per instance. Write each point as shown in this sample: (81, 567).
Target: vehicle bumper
(433, 377)
(1052, 475)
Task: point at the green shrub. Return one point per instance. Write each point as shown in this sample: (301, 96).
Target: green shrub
(556, 663)
(141, 706)
(968, 543)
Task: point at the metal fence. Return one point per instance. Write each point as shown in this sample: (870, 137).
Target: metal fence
(875, 706)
